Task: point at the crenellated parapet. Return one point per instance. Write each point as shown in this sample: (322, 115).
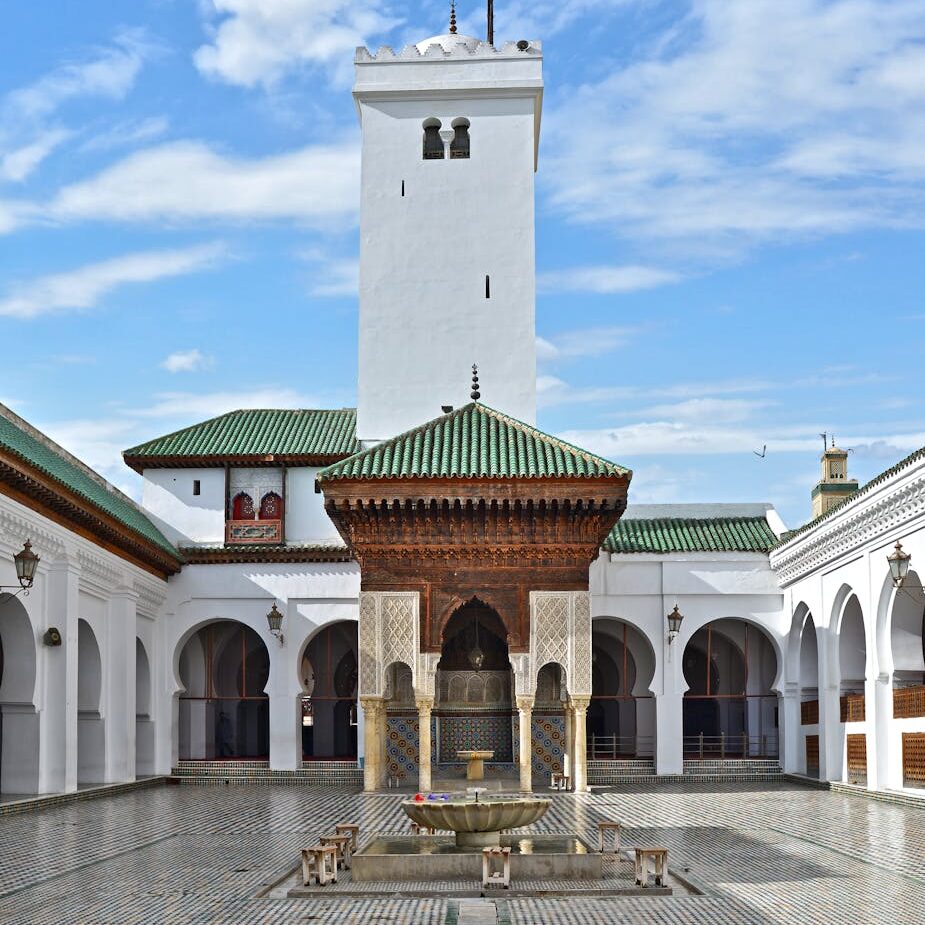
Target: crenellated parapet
(460, 50)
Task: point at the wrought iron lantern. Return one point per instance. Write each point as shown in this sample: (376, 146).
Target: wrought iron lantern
(674, 624)
(26, 562)
(476, 655)
(275, 621)
(899, 565)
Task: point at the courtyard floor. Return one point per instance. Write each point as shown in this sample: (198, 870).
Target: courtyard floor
(763, 853)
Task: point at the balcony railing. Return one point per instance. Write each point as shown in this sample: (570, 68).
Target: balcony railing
(244, 532)
(853, 709)
(731, 746)
(613, 748)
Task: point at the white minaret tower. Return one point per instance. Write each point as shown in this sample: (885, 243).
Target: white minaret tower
(447, 266)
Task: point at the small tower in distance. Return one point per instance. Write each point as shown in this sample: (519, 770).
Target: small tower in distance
(834, 486)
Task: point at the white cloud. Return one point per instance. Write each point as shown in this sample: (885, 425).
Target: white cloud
(187, 361)
(259, 41)
(27, 138)
(84, 287)
(684, 438)
(720, 132)
(193, 406)
(586, 342)
(604, 279)
(128, 132)
(110, 73)
(17, 164)
(332, 276)
(186, 181)
(705, 410)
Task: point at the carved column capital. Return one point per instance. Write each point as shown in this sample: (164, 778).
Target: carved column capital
(424, 704)
(525, 704)
(372, 706)
(579, 703)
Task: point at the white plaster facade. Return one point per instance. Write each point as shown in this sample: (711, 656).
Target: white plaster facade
(433, 231)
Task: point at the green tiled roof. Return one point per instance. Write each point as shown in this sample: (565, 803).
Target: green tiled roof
(675, 534)
(256, 432)
(471, 442)
(18, 438)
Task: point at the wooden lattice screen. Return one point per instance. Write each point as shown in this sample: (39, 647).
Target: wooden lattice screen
(812, 755)
(809, 712)
(908, 702)
(857, 759)
(914, 759)
(852, 708)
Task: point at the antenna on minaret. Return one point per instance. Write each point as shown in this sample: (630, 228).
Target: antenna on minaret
(491, 22)
(475, 394)
(452, 17)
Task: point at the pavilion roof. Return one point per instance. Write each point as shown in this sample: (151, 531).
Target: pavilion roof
(304, 436)
(472, 442)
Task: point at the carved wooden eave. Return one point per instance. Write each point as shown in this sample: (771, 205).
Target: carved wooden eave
(482, 521)
(33, 488)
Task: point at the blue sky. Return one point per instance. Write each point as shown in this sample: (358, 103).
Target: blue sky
(730, 237)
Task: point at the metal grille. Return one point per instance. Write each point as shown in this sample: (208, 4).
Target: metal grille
(857, 759)
(914, 759)
(809, 713)
(908, 702)
(853, 709)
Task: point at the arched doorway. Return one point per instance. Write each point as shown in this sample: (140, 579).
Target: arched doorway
(473, 708)
(852, 671)
(19, 722)
(907, 644)
(730, 710)
(329, 707)
(144, 725)
(91, 737)
(224, 710)
(621, 716)
(809, 696)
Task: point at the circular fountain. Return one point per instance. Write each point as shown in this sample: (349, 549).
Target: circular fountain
(477, 823)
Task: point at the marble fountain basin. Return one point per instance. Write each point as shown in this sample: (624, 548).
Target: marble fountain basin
(477, 823)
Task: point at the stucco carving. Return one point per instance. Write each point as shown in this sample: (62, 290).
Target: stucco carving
(388, 633)
(848, 531)
(560, 631)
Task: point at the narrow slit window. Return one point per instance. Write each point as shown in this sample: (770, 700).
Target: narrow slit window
(487, 286)
(197, 487)
(403, 188)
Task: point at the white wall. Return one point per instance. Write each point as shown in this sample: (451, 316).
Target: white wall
(167, 495)
(306, 519)
(424, 319)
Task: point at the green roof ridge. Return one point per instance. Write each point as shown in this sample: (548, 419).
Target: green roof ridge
(35, 448)
(734, 533)
(473, 441)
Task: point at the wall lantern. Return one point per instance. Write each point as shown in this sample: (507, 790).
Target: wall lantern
(674, 624)
(899, 565)
(25, 561)
(476, 655)
(275, 621)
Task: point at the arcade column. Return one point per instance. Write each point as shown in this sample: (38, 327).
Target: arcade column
(424, 705)
(580, 737)
(374, 720)
(525, 751)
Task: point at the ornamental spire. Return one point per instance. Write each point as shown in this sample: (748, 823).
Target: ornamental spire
(452, 17)
(475, 394)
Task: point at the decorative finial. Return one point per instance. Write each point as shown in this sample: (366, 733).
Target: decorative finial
(452, 17)
(475, 394)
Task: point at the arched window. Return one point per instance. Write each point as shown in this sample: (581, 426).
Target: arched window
(433, 143)
(271, 507)
(459, 146)
(242, 507)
